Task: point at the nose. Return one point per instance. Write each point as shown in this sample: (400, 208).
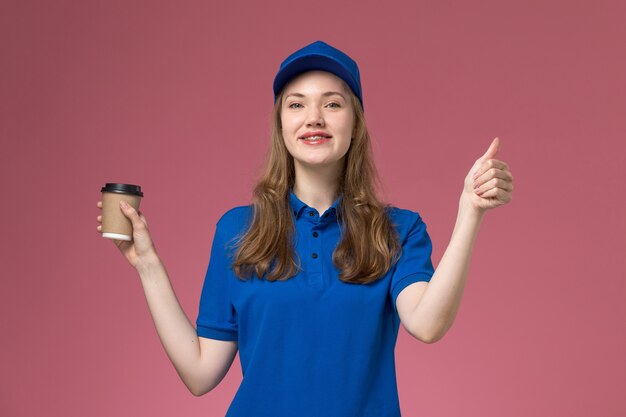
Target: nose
(314, 117)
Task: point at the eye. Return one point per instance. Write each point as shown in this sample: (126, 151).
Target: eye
(293, 104)
(336, 104)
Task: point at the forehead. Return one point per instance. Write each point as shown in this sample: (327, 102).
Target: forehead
(315, 79)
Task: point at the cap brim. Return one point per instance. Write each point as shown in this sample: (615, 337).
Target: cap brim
(309, 63)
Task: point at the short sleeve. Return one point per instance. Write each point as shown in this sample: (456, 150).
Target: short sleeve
(415, 263)
(217, 318)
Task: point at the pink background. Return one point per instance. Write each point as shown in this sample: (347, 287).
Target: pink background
(176, 97)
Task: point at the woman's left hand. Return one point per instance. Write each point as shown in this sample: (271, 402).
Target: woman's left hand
(489, 183)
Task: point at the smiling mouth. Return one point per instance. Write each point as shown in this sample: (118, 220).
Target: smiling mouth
(314, 138)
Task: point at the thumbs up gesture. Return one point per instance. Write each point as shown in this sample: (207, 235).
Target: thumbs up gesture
(489, 183)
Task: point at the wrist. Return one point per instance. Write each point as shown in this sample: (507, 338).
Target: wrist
(466, 208)
(468, 212)
(148, 263)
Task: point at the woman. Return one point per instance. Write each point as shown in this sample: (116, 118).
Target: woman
(311, 282)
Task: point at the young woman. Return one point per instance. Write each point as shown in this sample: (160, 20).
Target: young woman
(311, 282)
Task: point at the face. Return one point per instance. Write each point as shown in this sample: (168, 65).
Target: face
(317, 101)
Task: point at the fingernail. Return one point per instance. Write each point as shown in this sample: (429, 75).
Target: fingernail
(123, 204)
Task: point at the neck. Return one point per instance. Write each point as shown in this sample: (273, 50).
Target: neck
(317, 187)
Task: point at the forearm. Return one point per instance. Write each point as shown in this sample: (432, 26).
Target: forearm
(437, 308)
(177, 334)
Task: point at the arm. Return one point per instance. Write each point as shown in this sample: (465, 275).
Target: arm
(201, 363)
(489, 184)
(431, 315)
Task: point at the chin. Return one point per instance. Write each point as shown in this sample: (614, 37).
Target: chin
(316, 162)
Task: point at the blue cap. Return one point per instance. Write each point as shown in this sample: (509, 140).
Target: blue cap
(319, 56)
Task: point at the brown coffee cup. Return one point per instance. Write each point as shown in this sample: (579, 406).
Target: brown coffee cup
(115, 225)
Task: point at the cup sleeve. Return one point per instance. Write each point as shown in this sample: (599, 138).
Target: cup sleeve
(217, 318)
(415, 263)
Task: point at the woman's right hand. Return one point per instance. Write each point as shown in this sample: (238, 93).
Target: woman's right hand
(139, 251)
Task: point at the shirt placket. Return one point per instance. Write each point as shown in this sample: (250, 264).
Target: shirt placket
(315, 249)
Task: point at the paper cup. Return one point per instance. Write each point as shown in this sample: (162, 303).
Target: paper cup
(115, 225)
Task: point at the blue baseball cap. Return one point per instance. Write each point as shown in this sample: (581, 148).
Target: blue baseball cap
(319, 56)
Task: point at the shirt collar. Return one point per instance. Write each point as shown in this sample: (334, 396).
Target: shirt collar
(297, 205)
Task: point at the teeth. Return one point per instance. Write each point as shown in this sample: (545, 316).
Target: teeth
(315, 137)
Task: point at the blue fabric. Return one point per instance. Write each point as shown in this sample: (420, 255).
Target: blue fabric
(312, 345)
(319, 56)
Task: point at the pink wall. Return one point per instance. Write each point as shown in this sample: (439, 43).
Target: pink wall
(176, 96)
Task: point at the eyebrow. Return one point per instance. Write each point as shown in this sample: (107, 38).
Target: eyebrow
(326, 94)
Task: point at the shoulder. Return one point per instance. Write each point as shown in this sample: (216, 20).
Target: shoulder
(234, 215)
(404, 219)
(234, 221)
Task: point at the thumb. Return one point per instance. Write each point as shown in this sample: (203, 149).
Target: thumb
(492, 151)
(130, 212)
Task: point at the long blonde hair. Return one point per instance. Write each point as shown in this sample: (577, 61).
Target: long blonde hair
(369, 245)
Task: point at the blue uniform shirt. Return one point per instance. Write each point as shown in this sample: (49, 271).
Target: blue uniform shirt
(312, 345)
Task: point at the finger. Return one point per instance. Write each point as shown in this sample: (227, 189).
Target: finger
(493, 192)
(143, 218)
(492, 151)
(131, 213)
(99, 229)
(491, 174)
(489, 164)
(500, 164)
(99, 204)
(499, 194)
(99, 218)
(494, 183)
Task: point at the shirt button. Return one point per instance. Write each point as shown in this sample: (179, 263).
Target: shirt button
(314, 234)
(314, 255)
(311, 213)
(294, 212)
